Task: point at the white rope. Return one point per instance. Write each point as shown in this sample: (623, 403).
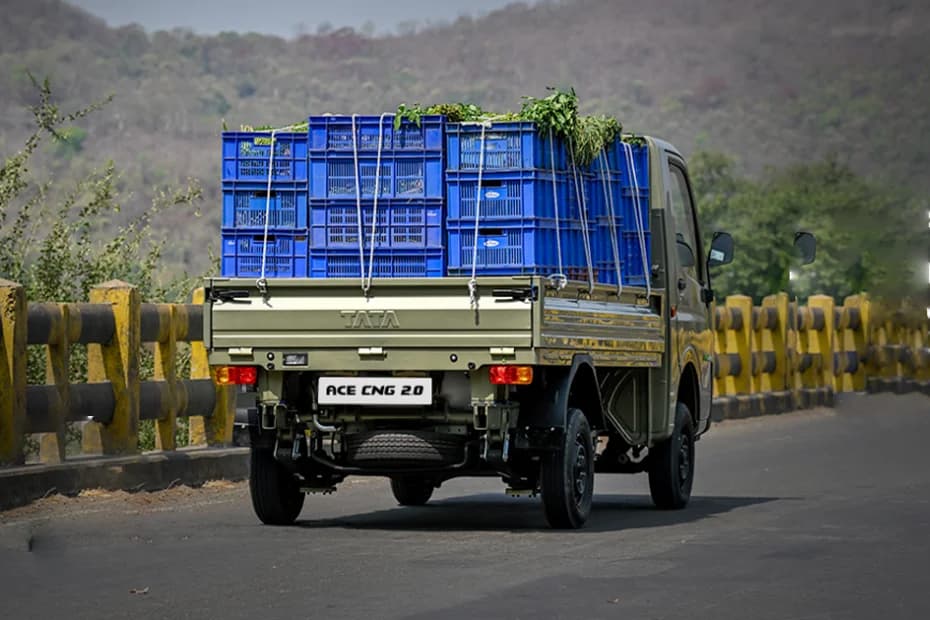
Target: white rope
(473, 282)
(358, 205)
(374, 215)
(583, 208)
(559, 279)
(262, 282)
(638, 216)
(606, 178)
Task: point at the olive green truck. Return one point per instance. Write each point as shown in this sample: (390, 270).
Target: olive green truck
(537, 381)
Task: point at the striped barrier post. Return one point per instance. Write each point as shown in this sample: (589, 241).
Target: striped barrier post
(851, 345)
(769, 356)
(12, 372)
(815, 352)
(117, 362)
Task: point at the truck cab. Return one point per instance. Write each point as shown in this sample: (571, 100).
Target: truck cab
(539, 381)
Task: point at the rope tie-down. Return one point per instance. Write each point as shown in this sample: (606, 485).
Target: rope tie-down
(262, 282)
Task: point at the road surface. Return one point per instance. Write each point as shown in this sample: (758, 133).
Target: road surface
(812, 515)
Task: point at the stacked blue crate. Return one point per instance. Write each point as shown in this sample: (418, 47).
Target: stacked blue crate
(248, 201)
(616, 185)
(513, 145)
(524, 183)
(408, 238)
(285, 254)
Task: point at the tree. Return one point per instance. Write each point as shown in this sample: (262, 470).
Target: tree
(58, 250)
(867, 239)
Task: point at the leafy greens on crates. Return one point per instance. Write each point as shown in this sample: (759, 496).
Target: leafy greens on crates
(586, 136)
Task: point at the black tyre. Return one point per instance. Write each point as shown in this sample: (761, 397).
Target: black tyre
(671, 464)
(400, 449)
(411, 490)
(276, 496)
(567, 476)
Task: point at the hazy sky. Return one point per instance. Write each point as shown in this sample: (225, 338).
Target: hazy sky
(281, 17)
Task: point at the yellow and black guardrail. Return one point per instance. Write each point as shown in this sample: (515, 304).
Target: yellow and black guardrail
(113, 326)
(781, 355)
(775, 357)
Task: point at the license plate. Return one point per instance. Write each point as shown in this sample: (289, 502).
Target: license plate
(375, 391)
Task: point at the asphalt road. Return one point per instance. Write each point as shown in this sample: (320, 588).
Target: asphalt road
(813, 515)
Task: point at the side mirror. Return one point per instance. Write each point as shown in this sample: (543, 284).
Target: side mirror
(806, 245)
(721, 250)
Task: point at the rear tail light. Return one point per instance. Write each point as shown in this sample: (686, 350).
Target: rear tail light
(511, 375)
(235, 375)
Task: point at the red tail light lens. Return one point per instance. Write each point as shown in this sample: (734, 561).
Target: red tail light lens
(235, 375)
(248, 375)
(511, 375)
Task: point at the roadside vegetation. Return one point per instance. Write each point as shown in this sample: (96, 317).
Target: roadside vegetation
(871, 237)
(58, 239)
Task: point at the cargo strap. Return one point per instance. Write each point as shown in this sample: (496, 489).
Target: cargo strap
(358, 203)
(366, 285)
(473, 282)
(583, 209)
(262, 282)
(359, 215)
(606, 178)
(638, 217)
(559, 280)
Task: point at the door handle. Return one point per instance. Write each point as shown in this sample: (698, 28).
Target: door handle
(682, 284)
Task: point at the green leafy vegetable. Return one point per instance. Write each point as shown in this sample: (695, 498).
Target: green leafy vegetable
(557, 113)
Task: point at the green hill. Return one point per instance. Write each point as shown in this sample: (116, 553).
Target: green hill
(770, 83)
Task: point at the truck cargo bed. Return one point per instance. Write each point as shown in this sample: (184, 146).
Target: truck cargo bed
(429, 324)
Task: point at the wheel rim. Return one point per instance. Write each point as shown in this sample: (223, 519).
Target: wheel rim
(684, 460)
(580, 478)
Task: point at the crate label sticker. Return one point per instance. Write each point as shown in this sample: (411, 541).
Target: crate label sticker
(492, 194)
(491, 243)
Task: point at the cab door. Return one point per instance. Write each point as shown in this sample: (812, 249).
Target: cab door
(690, 314)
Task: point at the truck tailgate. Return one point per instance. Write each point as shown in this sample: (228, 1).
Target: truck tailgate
(426, 324)
(335, 314)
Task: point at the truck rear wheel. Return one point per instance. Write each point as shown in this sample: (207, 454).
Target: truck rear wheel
(567, 476)
(411, 490)
(671, 466)
(276, 496)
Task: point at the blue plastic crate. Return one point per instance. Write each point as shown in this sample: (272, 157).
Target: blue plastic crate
(509, 195)
(403, 175)
(630, 255)
(246, 156)
(595, 193)
(525, 246)
(623, 198)
(402, 224)
(507, 146)
(624, 220)
(617, 161)
(387, 264)
(285, 256)
(334, 133)
(244, 206)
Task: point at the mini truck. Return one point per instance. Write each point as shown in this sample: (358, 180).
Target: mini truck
(422, 380)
